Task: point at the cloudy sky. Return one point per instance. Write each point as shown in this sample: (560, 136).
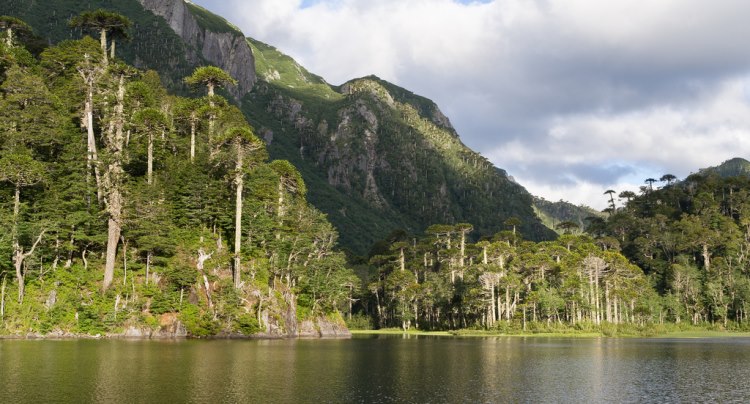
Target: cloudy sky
(571, 97)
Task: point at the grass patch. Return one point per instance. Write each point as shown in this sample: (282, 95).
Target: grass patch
(606, 330)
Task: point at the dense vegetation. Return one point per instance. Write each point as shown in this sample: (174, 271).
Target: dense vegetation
(150, 42)
(563, 216)
(124, 206)
(441, 281)
(675, 255)
(691, 238)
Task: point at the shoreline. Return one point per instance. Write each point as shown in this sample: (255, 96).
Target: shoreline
(687, 334)
(682, 334)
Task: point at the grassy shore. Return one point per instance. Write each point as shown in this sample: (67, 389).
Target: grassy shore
(671, 332)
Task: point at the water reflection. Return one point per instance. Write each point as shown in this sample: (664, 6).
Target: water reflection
(377, 370)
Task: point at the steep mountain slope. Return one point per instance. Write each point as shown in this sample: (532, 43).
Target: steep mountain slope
(554, 213)
(376, 157)
(169, 36)
(379, 157)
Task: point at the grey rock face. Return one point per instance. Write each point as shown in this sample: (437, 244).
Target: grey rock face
(227, 50)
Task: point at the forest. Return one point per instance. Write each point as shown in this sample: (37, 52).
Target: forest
(124, 206)
(671, 255)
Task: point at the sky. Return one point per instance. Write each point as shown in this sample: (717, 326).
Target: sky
(570, 97)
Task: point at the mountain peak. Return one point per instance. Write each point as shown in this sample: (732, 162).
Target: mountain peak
(733, 167)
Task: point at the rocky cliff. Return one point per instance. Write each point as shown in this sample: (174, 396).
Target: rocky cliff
(172, 37)
(211, 38)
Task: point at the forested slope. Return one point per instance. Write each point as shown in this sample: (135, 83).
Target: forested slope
(125, 209)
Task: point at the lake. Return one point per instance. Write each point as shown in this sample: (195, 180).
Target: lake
(377, 369)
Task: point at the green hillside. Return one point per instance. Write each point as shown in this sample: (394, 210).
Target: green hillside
(379, 157)
(129, 211)
(553, 214)
(152, 44)
(730, 168)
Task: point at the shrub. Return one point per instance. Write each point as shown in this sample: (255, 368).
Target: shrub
(247, 324)
(359, 322)
(197, 323)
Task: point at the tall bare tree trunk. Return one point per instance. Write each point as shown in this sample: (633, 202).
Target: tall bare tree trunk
(18, 258)
(114, 200)
(238, 180)
(202, 258)
(103, 44)
(92, 159)
(193, 119)
(150, 169)
(2, 301)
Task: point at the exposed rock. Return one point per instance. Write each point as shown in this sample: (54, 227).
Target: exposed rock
(51, 299)
(136, 332)
(441, 120)
(227, 50)
(323, 327)
(170, 327)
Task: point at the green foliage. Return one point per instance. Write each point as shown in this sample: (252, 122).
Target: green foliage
(359, 322)
(101, 19)
(376, 157)
(172, 258)
(210, 21)
(247, 324)
(210, 76)
(689, 237)
(197, 322)
(154, 43)
(553, 214)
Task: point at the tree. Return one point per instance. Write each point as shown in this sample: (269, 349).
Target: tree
(187, 111)
(150, 122)
(290, 180)
(668, 178)
(13, 25)
(113, 177)
(242, 145)
(211, 77)
(611, 193)
(513, 222)
(90, 73)
(567, 226)
(20, 169)
(627, 195)
(104, 22)
(650, 182)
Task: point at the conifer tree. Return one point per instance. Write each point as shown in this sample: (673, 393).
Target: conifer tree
(104, 22)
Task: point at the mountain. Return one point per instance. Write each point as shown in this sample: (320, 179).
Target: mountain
(730, 168)
(554, 213)
(379, 157)
(169, 36)
(376, 157)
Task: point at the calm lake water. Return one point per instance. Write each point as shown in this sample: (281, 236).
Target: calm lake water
(380, 369)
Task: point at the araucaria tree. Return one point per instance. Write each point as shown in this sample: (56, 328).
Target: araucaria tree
(70, 116)
(245, 151)
(13, 26)
(114, 141)
(211, 77)
(103, 22)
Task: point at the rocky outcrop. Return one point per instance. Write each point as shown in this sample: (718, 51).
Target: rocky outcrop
(228, 50)
(322, 327)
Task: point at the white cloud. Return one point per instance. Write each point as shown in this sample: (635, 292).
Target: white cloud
(571, 97)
